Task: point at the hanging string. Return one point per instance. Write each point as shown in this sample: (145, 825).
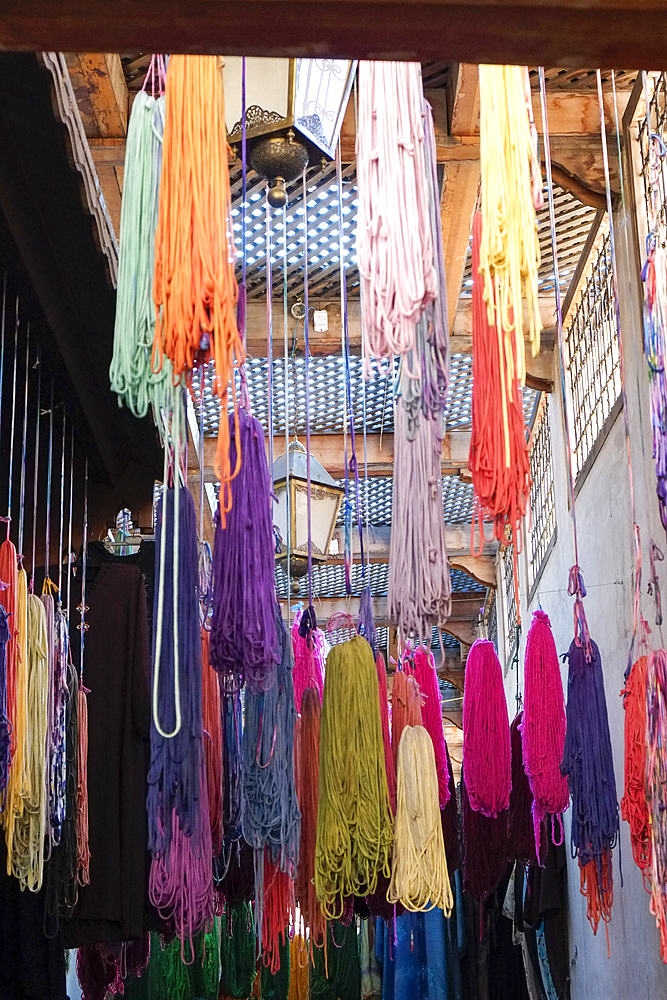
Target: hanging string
(544, 724)
(309, 657)
(38, 414)
(269, 343)
(10, 484)
(83, 851)
(286, 367)
(131, 375)
(589, 766)
(306, 349)
(271, 815)
(307, 778)
(244, 639)
(24, 445)
(195, 291)
(656, 786)
(427, 678)
(419, 877)
(394, 239)
(486, 732)
(48, 585)
(354, 820)
(634, 804)
(69, 522)
(509, 253)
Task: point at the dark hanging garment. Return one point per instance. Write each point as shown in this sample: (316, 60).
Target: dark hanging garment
(32, 966)
(114, 906)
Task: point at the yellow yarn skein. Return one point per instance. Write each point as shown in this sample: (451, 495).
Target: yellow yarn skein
(419, 877)
(354, 819)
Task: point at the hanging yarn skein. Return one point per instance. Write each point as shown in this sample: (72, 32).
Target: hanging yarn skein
(244, 637)
(420, 588)
(5, 741)
(499, 459)
(521, 844)
(308, 769)
(237, 952)
(194, 290)
(656, 786)
(427, 679)
(509, 255)
(486, 732)
(544, 724)
(131, 375)
(406, 707)
(271, 816)
(634, 804)
(589, 766)
(484, 843)
(395, 248)
(309, 657)
(212, 723)
(419, 877)
(354, 819)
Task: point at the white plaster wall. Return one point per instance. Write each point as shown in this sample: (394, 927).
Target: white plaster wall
(606, 556)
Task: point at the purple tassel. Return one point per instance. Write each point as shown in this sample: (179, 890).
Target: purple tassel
(587, 758)
(244, 641)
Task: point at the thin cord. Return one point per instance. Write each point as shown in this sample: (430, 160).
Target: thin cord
(2, 340)
(11, 443)
(24, 444)
(69, 529)
(307, 350)
(269, 339)
(38, 414)
(84, 565)
(47, 549)
(62, 513)
(288, 503)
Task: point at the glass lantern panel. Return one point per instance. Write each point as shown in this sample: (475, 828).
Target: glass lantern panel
(323, 516)
(267, 90)
(321, 94)
(280, 513)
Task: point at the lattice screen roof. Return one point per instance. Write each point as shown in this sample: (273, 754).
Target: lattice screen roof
(457, 500)
(329, 581)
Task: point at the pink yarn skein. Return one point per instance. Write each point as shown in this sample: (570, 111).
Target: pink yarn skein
(432, 717)
(487, 759)
(309, 659)
(544, 723)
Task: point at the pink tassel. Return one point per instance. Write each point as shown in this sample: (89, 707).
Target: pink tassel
(544, 722)
(487, 760)
(309, 659)
(432, 717)
(386, 738)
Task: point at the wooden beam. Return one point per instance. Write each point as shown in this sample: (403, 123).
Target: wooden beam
(457, 205)
(610, 33)
(102, 75)
(329, 449)
(464, 88)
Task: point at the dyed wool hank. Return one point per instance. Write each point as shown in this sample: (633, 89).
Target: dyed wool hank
(544, 724)
(521, 844)
(406, 708)
(244, 637)
(354, 819)
(427, 678)
(634, 804)
(419, 877)
(5, 741)
(309, 657)
(308, 769)
(237, 952)
(484, 843)
(656, 786)
(486, 732)
(212, 723)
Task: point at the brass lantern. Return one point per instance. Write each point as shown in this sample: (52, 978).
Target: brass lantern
(325, 500)
(294, 113)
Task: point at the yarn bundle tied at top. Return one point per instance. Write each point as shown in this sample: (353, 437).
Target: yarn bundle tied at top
(486, 732)
(406, 707)
(656, 786)
(309, 656)
(244, 639)
(589, 766)
(395, 249)
(544, 724)
(419, 877)
(308, 770)
(354, 819)
(237, 952)
(634, 804)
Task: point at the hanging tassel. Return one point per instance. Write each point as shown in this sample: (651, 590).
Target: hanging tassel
(419, 877)
(271, 815)
(195, 290)
(212, 744)
(427, 678)
(308, 769)
(544, 724)
(309, 656)
(634, 804)
(589, 767)
(486, 732)
(354, 819)
(244, 639)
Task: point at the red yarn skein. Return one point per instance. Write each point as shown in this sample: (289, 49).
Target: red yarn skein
(486, 732)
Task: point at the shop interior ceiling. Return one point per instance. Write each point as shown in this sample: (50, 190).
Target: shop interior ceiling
(94, 92)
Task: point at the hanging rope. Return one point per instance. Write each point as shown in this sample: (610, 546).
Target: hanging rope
(271, 815)
(420, 588)
(419, 877)
(589, 766)
(309, 656)
(395, 249)
(544, 724)
(656, 786)
(354, 821)
(427, 678)
(244, 639)
(195, 291)
(130, 374)
(486, 732)
(509, 254)
(308, 769)
(276, 891)
(634, 804)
